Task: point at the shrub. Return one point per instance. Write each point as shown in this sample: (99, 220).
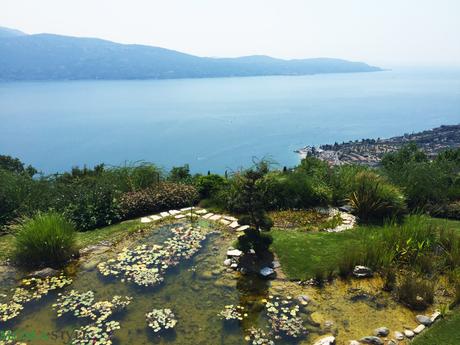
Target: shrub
(254, 239)
(89, 203)
(374, 199)
(416, 293)
(47, 238)
(165, 196)
(208, 186)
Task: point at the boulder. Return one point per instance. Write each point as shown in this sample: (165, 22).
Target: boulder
(399, 336)
(381, 332)
(371, 340)
(424, 320)
(329, 340)
(362, 272)
(46, 272)
(303, 299)
(227, 262)
(276, 264)
(267, 272)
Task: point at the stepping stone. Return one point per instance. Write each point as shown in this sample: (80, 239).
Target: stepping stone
(234, 252)
(215, 217)
(164, 214)
(174, 212)
(225, 222)
(419, 329)
(201, 211)
(242, 228)
(145, 220)
(234, 225)
(187, 209)
(206, 216)
(180, 216)
(155, 217)
(230, 218)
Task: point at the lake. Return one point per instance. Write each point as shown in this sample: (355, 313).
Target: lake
(216, 124)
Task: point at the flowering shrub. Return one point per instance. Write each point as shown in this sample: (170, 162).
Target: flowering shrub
(165, 196)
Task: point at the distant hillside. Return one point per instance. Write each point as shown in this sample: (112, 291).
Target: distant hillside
(54, 57)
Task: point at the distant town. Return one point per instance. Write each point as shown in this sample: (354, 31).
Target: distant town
(370, 151)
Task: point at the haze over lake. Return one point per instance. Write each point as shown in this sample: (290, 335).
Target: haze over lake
(216, 124)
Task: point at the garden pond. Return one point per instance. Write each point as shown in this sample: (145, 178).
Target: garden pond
(202, 293)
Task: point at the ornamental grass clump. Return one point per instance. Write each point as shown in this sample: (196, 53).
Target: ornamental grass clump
(45, 239)
(161, 319)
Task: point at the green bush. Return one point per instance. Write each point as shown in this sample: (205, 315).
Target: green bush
(45, 239)
(375, 199)
(89, 203)
(164, 196)
(209, 185)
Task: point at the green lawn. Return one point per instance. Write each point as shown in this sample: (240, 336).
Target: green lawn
(302, 253)
(444, 332)
(112, 233)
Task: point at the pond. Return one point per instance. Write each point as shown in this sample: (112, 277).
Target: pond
(196, 290)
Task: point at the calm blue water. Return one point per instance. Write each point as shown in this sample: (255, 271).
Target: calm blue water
(215, 124)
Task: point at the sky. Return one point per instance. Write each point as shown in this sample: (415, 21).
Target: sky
(387, 33)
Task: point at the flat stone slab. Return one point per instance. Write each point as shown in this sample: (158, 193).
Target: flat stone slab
(46, 272)
(180, 216)
(225, 222)
(208, 215)
(399, 335)
(419, 329)
(174, 212)
(155, 217)
(234, 253)
(187, 209)
(203, 211)
(230, 218)
(215, 217)
(164, 214)
(234, 225)
(409, 334)
(145, 220)
(435, 316)
(242, 228)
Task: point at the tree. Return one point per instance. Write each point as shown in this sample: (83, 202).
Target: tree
(180, 174)
(14, 165)
(252, 189)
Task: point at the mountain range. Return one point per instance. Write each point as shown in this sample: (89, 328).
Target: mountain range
(56, 57)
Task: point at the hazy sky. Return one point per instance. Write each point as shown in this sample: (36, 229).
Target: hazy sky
(383, 32)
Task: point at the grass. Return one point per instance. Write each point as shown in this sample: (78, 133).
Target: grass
(302, 254)
(444, 332)
(47, 238)
(112, 233)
